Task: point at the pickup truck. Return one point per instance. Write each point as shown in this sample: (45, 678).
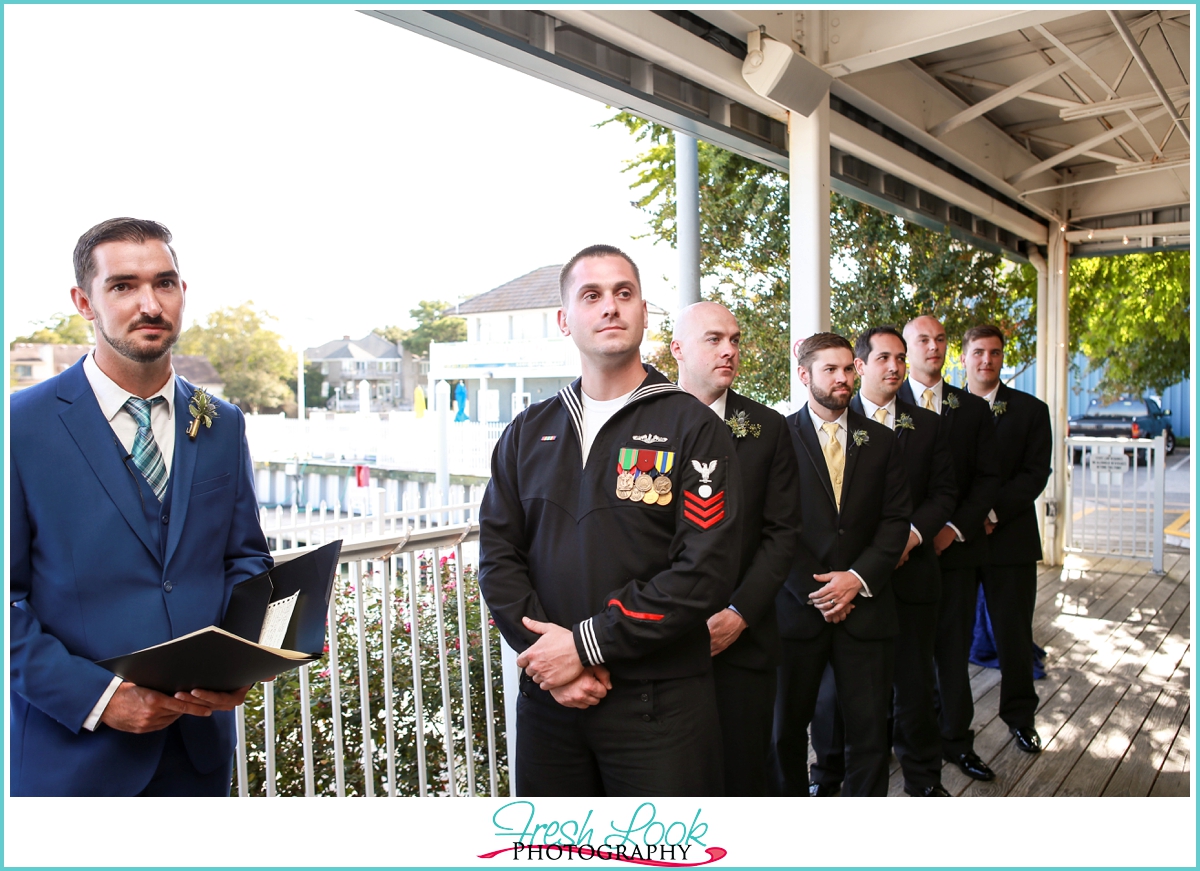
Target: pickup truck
(1127, 417)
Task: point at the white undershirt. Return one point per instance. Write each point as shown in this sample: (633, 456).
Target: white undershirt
(111, 398)
(718, 405)
(596, 413)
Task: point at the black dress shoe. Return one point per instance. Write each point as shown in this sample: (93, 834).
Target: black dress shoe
(820, 790)
(1027, 738)
(972, 766)
(929, 791)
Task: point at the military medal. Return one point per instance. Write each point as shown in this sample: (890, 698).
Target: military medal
(649, 497)
(665, 498)
(662, 485)
(635, 495)
(643, 483)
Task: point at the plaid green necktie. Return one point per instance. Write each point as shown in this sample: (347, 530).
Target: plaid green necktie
(146, 455)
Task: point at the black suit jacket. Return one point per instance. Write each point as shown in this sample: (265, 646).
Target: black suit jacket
(867, 535)
(1024, 444)
(934, 494)
(972, 439)
(770, 523)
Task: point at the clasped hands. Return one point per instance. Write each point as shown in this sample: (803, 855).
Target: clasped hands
(553, 663)
(140, 709)
(835, 600)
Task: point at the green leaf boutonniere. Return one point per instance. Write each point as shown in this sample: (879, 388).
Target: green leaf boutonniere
(904, 422)
(204, 411)
(741, 426)
(860, 437)
(951, 400)
(998, 408)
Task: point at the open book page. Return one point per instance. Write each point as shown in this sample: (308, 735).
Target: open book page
(277, 620)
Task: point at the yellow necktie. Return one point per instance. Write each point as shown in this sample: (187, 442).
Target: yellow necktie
(835, 460)
(881, 415)
(927, 399)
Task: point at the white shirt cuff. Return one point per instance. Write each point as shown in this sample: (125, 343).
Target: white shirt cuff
(865, 592)
(93, 719)
(992, 516)
(917, 533)
(957, 533)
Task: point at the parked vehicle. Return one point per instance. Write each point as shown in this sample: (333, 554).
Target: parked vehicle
(1127, 417)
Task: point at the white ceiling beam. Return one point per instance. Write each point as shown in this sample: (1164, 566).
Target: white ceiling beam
(1098, 155)
(1180, 96)
(1031, 96)
(1177, 228)
(1028, 83)
(1148, 71)
(861, 39)
(1086, 145)
(856, 140)
(654, 38)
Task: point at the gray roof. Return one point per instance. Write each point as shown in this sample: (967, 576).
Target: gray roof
(195, 368)
(537, 289)
(370, 347)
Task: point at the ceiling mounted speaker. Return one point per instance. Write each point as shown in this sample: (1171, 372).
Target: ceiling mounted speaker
(773, 70)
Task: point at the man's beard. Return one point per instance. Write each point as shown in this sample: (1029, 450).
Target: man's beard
(829, 400)
(127, 349)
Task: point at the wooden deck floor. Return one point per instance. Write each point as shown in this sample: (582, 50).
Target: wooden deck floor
(1114, 708)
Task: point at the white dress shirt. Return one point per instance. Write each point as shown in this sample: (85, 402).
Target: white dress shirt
(718, 404)
(111, 399)
(840, 435)
(918, 390)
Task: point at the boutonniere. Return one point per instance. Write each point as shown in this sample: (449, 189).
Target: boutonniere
(203, 410)
(741, 426)
(951, 400)
(904, 422)
(998, 408)
(860, 437)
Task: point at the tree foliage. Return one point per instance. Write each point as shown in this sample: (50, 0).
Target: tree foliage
(884, 270)
(312, 385)
(432, 581)
(1131, 315)
(257, 370)
(432, 326)
(59, 329)
(395, 335)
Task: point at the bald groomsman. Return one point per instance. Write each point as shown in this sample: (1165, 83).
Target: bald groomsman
(1023, 439)
(836, 605)
(962, 543)
(879, 358)
(745, 634)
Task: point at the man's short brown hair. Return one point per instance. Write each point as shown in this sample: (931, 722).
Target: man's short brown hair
(819, 342)
(138, 230)
(984, 331)
(593, 251)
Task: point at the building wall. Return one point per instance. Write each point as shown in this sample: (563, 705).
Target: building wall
(513, 325)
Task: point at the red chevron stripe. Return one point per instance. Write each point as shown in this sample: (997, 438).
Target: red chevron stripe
(636, 614)
(689, 496)
(705, 512)
(703, 524)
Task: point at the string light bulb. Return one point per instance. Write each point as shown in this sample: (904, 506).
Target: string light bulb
(1124, 240)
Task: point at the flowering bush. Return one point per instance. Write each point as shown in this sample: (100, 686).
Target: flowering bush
(440, 581)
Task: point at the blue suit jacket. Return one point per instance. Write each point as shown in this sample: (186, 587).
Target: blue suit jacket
(90, 582)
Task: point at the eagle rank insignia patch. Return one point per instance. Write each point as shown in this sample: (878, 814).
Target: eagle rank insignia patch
(704, 493)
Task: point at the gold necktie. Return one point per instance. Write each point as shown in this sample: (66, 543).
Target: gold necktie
(881, 415)
(835, 460)
(927, 399)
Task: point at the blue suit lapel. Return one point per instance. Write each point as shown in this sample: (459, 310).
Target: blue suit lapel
(183, 467)
(99, 445)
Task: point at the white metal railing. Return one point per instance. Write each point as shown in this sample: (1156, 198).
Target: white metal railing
(404, 703)
(1116, 488)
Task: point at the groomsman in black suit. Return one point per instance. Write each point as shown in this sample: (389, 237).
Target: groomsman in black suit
(879, 358)
(836, 605)
(745, 634)
(1022, 424)
(962, 543)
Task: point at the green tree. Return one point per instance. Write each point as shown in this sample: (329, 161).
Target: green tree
(433, 325)
(59, 329)
(1130, 315)
(312, 385)
(395, 335)
(258, 371)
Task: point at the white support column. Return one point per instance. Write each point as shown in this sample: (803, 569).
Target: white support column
(808, 183)
(1041, 364)
(687, 218)
(1058, 263)
(300, 383)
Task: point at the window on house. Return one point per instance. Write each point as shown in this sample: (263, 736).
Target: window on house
(24, 371)
(510, 327)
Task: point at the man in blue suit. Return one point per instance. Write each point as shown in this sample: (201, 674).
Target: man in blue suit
(128, 528)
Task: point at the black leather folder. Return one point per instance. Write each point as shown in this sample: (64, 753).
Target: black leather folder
(228, 656)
